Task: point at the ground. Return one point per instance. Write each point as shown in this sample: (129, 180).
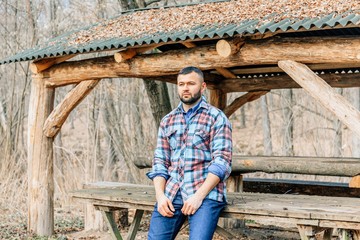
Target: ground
(69, 224)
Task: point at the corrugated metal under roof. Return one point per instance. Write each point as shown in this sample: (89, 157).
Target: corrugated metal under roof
(349, 22)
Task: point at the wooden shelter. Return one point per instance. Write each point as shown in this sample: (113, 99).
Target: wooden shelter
(278, 51)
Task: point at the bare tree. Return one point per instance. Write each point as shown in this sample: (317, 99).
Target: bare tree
(266, 127)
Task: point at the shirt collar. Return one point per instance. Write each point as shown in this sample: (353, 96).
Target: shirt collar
(202, 103)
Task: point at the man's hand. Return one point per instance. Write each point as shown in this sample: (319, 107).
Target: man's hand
(165, 206)
(191, 205)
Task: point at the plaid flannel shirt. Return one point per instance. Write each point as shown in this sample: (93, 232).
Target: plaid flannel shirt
(185, 151)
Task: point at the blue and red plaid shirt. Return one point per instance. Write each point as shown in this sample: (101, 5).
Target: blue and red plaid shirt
(189, 148)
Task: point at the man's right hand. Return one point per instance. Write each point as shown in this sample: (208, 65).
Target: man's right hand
(165, 206)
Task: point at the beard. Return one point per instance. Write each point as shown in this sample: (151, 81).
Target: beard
(192, 99)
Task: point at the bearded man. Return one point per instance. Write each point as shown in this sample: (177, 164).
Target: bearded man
(191, 162)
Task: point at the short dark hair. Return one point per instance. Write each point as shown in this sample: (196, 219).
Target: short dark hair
(190, 69)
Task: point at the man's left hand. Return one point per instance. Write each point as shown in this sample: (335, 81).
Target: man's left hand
(191, 205)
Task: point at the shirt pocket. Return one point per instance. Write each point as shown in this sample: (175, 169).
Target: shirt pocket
(201, 139)
(172, 139)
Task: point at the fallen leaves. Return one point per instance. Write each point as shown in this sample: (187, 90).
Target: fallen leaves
(155, 22)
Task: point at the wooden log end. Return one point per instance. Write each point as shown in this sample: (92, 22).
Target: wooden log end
(125, 55)
(34, 68)
(355, 182)
(227, 48)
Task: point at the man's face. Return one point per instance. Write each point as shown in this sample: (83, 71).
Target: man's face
(190, 87)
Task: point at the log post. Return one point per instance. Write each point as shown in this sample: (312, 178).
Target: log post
(40, 162)
(234, 183)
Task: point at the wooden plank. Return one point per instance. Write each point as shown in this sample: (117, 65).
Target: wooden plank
(112, 225)
(40, 162)
(58, 116)
(356, 234)
(242, 100)
(323, 93)
(258, 52)
(242, 204)
(305, 231)
(135, 225)
(225, 234)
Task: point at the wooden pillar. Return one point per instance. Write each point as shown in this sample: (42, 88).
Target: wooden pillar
(234, 183)
(40, 161)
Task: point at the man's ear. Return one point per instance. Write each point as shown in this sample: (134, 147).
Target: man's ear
(203, 87)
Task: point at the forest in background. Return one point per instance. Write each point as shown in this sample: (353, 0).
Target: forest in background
(116, 122)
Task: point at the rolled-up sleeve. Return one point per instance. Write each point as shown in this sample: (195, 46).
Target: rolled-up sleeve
(221, 147)
(161, 160)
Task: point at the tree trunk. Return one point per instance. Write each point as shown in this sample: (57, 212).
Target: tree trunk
(338, 133)
(355, 138)
(159, 99)
(288, 128)
(266, 127)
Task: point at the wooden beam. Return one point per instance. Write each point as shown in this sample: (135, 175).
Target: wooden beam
(132, 52)
(283, 81)
(258, 52)
(189, 44)
(226, 48)
(275, 69)
(323, 93)
(225, 72)
(240, 101)
(344, 167)
(40, 162)
(43, 64)
(58, 116)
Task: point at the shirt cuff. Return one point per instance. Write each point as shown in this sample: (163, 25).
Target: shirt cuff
(218, 170)
(152, 175)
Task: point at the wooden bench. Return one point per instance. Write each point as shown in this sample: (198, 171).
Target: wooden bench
(310, 214)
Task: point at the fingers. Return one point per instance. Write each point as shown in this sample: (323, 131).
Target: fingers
(188, 209)
(166, 209)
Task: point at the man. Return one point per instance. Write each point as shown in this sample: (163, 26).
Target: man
(192, 160)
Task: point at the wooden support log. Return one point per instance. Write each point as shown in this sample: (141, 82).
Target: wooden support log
(355, 182)
(283, 82)
(259, 52)
(218, 99)
(240, 101)
(41, 65)
(58, 116)
(226, 48)
(276, 69)
(346, 167)
(40, 162)
(225, 72)
(132, 52)
(323, 93)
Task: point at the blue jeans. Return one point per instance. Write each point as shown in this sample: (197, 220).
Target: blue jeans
(202, 224)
